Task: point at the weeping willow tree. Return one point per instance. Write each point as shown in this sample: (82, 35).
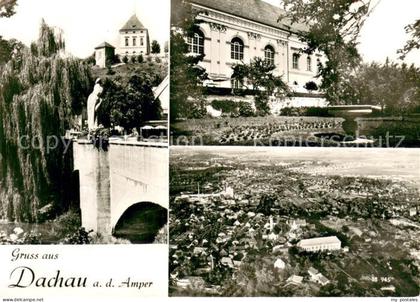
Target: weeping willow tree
(41, 90)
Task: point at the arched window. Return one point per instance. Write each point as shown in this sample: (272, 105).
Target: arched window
(196, 43)
(237, 49)
(269, 54)
(308, 64)
(295, 62)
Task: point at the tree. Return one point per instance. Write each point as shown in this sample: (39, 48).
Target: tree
(140, 58)
(155, 47)
(7, 48)
(7, 8)
(414, 41)
(332, 28)
(125, 60)
(130, 104)
(186, 76)
(394, 87)
(133, 59)
(311, 86)
(258, 76)
(40, 94)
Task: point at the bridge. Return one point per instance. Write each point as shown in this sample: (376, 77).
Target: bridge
(123, 186)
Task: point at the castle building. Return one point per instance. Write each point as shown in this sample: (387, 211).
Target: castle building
(133, 39)
(232, 32)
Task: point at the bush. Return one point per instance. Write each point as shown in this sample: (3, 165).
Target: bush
(305, 111)
(245, 109)
(81, 236)
(110, 71)
(133, 59)
(140, 59)
(311, 86)
(226, 106)
(125, 59)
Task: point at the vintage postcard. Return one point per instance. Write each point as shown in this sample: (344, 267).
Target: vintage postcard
(84, 106)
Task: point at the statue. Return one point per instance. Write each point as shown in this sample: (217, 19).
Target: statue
(93, 103)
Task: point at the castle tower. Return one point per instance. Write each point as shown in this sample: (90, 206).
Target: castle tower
(134, 39)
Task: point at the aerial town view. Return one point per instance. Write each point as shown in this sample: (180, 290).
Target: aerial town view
(294, 222)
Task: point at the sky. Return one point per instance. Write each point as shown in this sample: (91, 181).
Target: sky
(383, 33)
(86, 23)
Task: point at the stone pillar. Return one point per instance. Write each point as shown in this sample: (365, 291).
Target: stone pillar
(95, 200)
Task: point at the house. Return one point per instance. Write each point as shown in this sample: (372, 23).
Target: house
(322, 280)
(297, 223)
(330, 243)
(190, 282)
(133, 38)
(231, 32)
(279, 264)
(313, 272)
(104, 54)
(199, 250)
(317, 277)
(226, 261)
(294, 279)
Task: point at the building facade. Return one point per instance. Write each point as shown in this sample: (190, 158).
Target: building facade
(103, 53)
(231, 33)
(331, 243)
(133, 39)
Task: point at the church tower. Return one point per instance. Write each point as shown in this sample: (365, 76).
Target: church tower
(134, 39)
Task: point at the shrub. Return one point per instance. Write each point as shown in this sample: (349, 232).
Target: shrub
(133, 59)
(125, 59)
(305, 111)
(245, 109)
(140, 59)
(226, 106)
(311, 86)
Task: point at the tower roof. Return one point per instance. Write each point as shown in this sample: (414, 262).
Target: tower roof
(133, 23)
(104, 45)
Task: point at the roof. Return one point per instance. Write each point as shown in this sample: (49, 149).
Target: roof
(295, 279)
(254, 10)
(319, 240)
(322, 279)
(313, 271)
(133, 23)
(103, 45)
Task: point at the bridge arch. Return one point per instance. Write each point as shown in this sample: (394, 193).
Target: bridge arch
(113, 181)
(141, 222)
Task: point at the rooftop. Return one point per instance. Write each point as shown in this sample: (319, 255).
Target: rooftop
(132, 24)
(319, 240)
(103, 45)
(253, 10)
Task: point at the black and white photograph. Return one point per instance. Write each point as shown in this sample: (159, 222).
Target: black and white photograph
(84, 106)
(295, 73)
(294, 222)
